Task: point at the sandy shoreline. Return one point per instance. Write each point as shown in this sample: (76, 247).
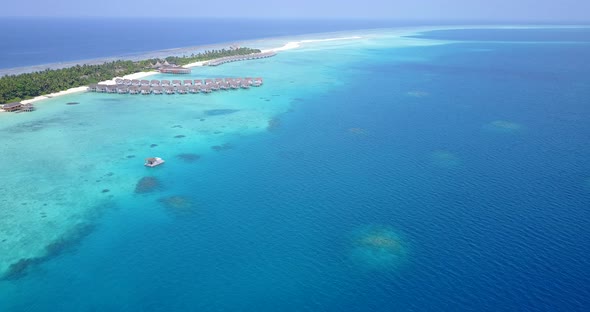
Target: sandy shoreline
(141, 75)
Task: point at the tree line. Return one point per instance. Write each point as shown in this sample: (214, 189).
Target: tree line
(14, 88)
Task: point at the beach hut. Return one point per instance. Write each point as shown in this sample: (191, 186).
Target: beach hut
(12, 107)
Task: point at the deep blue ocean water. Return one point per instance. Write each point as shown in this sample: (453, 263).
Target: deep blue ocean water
(37, 41)
(457, 181)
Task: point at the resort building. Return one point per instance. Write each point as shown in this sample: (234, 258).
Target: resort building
(174, 70)
(12, 107)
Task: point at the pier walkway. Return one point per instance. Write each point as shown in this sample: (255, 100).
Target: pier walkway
(235, 58)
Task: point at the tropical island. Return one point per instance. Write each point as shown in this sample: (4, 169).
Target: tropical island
(15, 88)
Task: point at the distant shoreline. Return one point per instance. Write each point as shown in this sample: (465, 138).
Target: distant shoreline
(139, 75)
(293, 44)
(191, 49)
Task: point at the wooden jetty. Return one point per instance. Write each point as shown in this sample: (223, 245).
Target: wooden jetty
(235, 58)
(157, 87)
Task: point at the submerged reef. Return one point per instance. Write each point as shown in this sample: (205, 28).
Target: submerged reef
(222, 147)
(503, 126)
(72, 103)
(180, 136)
(215, 112)
(418, 94)
(378, 247)
(445, 159)
(273, 124)
(357, 131)
(20, 268)
(188, 157)
(147, 185)
(179, 206)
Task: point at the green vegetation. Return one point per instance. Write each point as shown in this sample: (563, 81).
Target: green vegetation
(209, 55)
(16, 88)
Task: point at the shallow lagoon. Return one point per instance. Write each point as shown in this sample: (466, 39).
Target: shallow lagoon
(361, 176)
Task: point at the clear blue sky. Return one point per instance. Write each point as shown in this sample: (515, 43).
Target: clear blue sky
(513, 10)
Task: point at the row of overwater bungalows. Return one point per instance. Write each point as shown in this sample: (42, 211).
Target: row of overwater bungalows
(126, 86)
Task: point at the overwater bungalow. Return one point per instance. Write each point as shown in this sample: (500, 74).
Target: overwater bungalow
(187, 82)
(193, 89)
(154, 82)
(122, 89)
(165, 83)
(176, 83)
(12, 107)
(245, 85)
(169, 90)
(145, 90)
(101, 88)
(92, 87)
(119, 81)
(133, 90)
(145, 83)
(157, 90)
(112, 89)
(182, 89)
(135, 82)
(127, 82)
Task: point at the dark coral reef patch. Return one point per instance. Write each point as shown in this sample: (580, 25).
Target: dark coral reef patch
(188, 157)
(222, 147)
(179, 206)
(147, 185)
(215, 112)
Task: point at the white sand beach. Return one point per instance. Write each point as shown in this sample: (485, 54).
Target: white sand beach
(288, 46)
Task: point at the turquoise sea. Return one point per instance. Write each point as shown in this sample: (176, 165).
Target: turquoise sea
(441, 170)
